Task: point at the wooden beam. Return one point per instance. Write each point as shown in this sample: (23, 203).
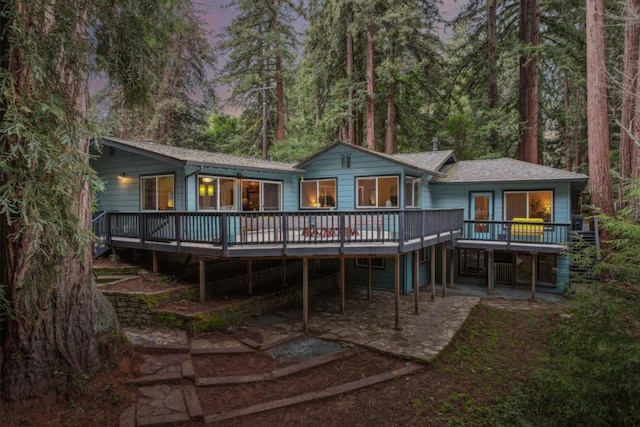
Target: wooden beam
(433, 273)
(416, 281)
(154, 261)
(490, 272)
(202, 279)
(396, 282)
(249, 277)
(444, 269)
(534, 274)
(284, 271)
(342, 285)
(305, 294)
(452, 284)
(368, 279)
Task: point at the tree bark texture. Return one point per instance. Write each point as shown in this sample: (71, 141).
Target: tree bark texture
(630, 123)
(528, 150)
(568, 133)
(600, 186)
(49, 339)
(279, 82)
(390, 146)
(491, 54)
(371, 142)
(351, 125)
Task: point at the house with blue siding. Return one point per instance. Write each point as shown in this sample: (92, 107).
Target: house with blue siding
(393, 222)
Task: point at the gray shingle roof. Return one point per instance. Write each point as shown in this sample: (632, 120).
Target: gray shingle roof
(429, 160)
(504, 170)
(200, 157)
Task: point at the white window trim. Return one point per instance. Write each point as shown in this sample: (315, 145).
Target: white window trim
(157, 177)
(527, 192)
(217, 192)
(377, 178)
(317, 182)
(416, 203)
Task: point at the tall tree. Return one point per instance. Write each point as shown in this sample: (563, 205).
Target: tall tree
(371, 129)
(600, 186)
(48, 295)
(260, 44)
(629, 151)
(182, 96)
(529, 105)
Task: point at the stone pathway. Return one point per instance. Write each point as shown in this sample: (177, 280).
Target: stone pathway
(167, 393)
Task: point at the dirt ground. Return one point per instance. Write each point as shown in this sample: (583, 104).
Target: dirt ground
(493, 350)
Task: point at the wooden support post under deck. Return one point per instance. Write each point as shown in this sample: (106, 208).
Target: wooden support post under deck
(342, 285)
(452, 285)
(202, 281)
(249, 277)
(396, 282)
(444, 269)
(490, 273)
(534, 274)
(433, 273)
(284, 271)
(368, 279)
(305, 294)
(416, 281)
(154, 261)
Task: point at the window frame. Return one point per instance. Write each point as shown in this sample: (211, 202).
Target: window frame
(217, 192)
(527, 193)
(425, 255)
(463, 266)
(317, 181)
(413, 183)
(170, 200)
(361, 196)
(260, 191)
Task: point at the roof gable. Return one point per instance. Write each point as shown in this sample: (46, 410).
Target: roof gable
(188, 156)
(504, 170)
(426, 162)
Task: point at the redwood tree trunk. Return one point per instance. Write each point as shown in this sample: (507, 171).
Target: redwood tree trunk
(49, 340)
(279, 83)
(629, 121)
(491, 54)
(567, 128)
(390, 146)
(528, 101)
(600, 186)
(371, 143)
(351, 126)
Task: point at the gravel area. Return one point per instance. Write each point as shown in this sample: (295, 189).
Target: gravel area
(304, 349)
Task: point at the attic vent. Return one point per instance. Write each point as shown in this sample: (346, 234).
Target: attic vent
(112, 151)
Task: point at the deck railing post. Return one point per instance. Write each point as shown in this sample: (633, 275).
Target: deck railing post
(223, 233)
(401, 230)
(177, 230)
(342, 227)
(285, 232)
(142, 225)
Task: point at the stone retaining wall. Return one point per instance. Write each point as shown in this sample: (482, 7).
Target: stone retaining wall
(138, 309)
(142, 309)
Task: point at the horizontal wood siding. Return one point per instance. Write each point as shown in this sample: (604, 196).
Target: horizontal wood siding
(457, 195)
(124, 194)
(329, 165)
(381, 279)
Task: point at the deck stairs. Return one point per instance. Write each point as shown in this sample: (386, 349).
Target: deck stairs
(108, 273)
(590, 237)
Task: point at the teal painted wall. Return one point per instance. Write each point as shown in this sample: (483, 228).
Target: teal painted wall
(124, 194)
(329, 166)
(458, 195)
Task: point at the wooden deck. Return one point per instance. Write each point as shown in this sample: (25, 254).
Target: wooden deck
(272, 234)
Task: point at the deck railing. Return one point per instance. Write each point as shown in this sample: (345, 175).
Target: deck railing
(518, 231)
(229, 229)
